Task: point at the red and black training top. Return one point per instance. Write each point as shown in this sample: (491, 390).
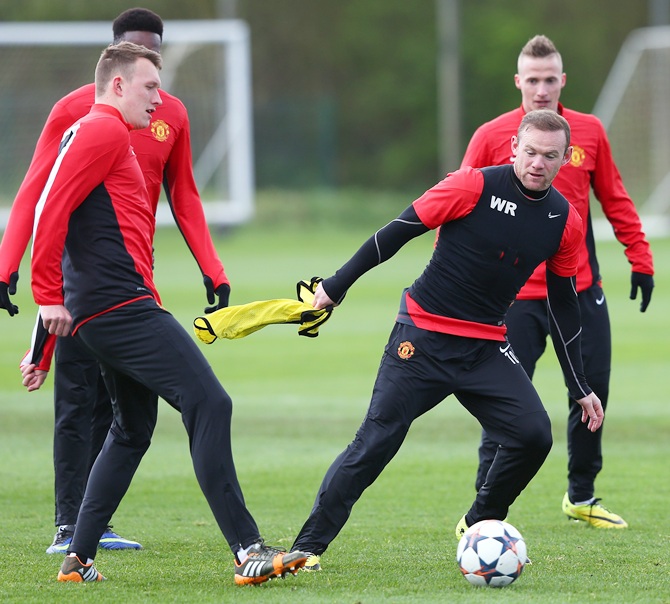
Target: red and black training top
(164, 153)
(94, 223)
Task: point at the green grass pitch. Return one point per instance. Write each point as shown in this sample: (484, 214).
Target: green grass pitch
(297, 404)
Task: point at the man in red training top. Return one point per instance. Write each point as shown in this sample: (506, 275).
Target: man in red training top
(83, 411)
(92, 276)
(540, 79)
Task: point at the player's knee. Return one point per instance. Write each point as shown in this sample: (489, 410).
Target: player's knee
(216, 395)
(382, 433)
(544, 442)
(537, 434)
(225, 404)
(216, 404)
(136, 438)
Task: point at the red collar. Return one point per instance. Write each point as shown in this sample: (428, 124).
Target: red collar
(560, 109)
(109, 110)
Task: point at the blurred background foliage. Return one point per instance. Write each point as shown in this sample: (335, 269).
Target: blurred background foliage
(346, 91)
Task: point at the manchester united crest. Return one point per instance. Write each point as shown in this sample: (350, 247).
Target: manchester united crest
(406, 350)
(160, 130)
(578, 156)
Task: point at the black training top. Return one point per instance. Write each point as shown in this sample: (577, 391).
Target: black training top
(493, 234)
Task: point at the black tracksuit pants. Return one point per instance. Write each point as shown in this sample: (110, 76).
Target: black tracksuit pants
(144, 353)
(418, 370)
(83, 415)
(527, 330)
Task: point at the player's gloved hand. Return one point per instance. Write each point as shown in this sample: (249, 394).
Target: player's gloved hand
(7, 289)
(222, 292)
(643, 282)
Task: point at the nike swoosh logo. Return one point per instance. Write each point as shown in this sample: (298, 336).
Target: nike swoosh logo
(505, 349)
(600, 300)
(550, 215)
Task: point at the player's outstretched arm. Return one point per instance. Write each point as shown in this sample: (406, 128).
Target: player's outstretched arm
(377, 249)
(592, 411)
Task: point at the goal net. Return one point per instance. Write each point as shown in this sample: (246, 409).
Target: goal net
(206, 64)
(634, 108)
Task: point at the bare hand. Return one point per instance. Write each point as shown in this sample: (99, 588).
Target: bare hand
(56, 319)
(592, 411)
(33, 378)
(321, 299)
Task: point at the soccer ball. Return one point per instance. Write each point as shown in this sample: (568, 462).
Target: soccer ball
(491, 552)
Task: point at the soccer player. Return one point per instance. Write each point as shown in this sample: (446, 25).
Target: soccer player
(540, 79)
(92, 276)
(83, 411)
(497, 225)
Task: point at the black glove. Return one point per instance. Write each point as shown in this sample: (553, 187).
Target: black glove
(643, 282)
(7, 289)
(222, 292)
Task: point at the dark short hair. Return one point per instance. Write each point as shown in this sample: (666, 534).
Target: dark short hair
(137, 19)
(547, 121)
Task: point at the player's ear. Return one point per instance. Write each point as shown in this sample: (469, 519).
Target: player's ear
(117, 85)
(568, 156)
(514, 142)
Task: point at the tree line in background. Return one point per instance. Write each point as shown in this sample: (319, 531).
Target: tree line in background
(345, 91)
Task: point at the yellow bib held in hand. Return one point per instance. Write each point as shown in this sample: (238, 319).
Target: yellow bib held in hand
(239, 321)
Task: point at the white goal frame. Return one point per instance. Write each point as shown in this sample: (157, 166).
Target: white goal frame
(231, 140)
(655, 209)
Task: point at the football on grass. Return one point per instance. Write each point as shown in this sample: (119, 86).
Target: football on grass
(491, 552)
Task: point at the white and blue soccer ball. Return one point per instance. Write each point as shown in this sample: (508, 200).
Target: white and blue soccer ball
(491, 553)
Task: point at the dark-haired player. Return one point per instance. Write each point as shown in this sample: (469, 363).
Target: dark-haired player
(496, 225)
(540, 79)
(83, 412)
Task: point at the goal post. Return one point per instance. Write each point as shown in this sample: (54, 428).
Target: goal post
(633, 106)
(206, 64)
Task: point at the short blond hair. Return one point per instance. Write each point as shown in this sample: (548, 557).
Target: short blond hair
(121, 58)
